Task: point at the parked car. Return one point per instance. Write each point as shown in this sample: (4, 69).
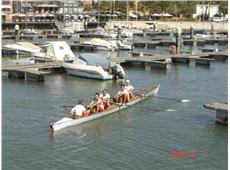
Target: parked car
(217, 19)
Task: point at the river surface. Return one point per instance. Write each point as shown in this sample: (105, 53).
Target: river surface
(155, 134)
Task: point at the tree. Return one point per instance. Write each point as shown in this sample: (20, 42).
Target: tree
(223, 7)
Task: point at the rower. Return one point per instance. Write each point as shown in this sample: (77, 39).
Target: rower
(123, 95)
(78, 110)
(97, 104)
(129, 87)
(105, 98)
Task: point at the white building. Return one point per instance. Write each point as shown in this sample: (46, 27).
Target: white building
(206, 9)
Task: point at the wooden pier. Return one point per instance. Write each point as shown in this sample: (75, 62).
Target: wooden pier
(168, 42)
(37, 71)
(34, 72)
(221, 111)
(149, 62)
(198, 59)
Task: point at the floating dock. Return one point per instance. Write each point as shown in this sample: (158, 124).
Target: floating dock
(33, 72)
(221, 111)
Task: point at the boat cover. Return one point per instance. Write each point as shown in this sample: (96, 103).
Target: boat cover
(95, 59)
(60, 50)
(24, 46)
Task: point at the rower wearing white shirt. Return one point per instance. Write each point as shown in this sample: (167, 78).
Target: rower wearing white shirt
(123, 95)
(129, 87)
(97, 104)
(78, 110)
(105, 97)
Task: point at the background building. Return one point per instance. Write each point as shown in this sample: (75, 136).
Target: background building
(206, 11)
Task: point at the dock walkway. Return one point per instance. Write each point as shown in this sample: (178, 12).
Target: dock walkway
(34, 72)
(221, 111)
(149, 61)
(162, 61)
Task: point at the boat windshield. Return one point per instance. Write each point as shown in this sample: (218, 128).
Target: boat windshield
(94, 59)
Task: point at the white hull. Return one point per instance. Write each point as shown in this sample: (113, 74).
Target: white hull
(102, 48)
(67, 122)
(125, 47)
(81, 70)
(99, 44)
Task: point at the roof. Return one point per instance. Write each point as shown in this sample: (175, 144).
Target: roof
(94, 59)
(47, 6)
(6, 7)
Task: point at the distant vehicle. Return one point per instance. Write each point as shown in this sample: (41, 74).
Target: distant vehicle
(28, 32)
(218, 19)
(66, 31)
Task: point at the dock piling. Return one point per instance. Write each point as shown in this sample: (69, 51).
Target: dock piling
(191, 32)
(221, 111)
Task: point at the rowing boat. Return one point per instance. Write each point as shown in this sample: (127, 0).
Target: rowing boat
(138, 96)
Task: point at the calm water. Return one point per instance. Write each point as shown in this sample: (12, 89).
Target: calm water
(142, 137)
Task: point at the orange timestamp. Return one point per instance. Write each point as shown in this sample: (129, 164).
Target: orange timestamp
(191, 155)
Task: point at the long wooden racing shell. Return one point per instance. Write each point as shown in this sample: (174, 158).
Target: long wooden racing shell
(139, 96)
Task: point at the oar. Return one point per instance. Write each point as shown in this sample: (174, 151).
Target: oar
(67, 105)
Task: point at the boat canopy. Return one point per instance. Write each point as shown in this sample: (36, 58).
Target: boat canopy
(95, 59)
(60, 50)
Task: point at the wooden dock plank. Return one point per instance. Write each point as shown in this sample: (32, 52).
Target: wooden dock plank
(217, 106)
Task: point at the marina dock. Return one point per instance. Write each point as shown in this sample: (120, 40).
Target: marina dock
(149, 61)
(221, 111)
(34, 72)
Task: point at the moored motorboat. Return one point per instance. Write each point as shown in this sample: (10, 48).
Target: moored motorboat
(100, 44)
(55, 51)
(139, 96)
(91, 65)
(26, 47)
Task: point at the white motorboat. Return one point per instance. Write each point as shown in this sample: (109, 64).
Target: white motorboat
(123, 46)
(126, 33)
(23, 47)
(91, 65)
(120, 45)
(129, 33)
(105, 34)
(100, 44)
(201, 36)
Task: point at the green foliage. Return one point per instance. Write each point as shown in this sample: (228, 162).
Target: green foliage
(187, 8)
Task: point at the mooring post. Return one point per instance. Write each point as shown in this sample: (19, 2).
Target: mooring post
(119, 33)
(17, 54)
(86, 25)
(17, 33)
(132, 46)
(194, 41)
(178, 41)
(25, 74)
(191, 32)
(212, 30)
(154, 26)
